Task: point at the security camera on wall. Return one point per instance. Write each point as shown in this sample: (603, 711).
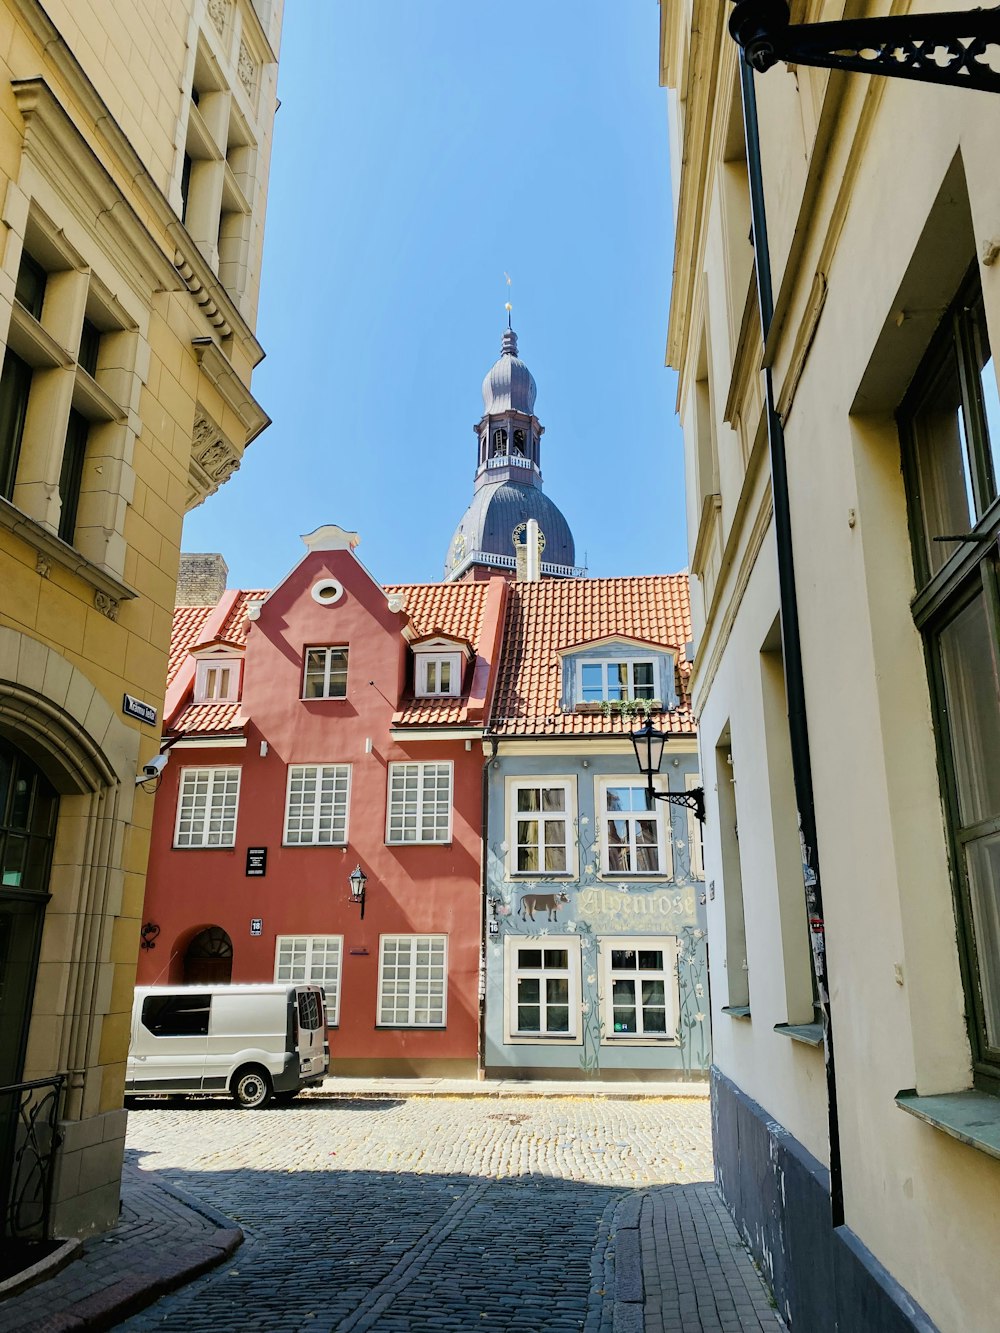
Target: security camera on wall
(153, 768)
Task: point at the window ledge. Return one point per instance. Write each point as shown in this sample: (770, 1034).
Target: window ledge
(810, 1034)
(109, 590)
(411, 1027)
(971, 1117)
(737, 1011)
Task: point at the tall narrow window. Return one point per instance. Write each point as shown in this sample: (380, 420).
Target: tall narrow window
(634, 840)
(71, 473)
(541, 821)
(90, 346)
(639, 988)
(735, 960)
(951, 437)
(30, 286)
(15, 384)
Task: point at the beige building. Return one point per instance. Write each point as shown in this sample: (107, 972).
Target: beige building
(134, 154)
(883, 205)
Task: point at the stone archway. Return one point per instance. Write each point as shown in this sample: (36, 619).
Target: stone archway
(208, 959)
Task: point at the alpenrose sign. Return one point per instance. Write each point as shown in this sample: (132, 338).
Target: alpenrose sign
(610, 909)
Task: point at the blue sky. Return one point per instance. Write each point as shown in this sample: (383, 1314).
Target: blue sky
(422, 148)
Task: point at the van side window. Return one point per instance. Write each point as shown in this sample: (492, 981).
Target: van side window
(310, 1011)
(176, 1015)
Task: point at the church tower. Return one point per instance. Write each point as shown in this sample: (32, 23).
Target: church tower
(491, 537)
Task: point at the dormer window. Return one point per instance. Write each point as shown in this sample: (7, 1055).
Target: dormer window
(633, 678)
(217, 680)
(438, 675)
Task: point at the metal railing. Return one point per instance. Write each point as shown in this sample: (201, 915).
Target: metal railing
(29, 1137)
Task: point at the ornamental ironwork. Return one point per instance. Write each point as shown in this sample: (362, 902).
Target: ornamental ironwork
(959, 49)
(29, 1137)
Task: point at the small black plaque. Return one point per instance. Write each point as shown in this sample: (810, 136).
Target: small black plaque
(256, 925)
(256, 862)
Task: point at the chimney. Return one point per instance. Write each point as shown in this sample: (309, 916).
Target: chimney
(533, 570)
(202, 579)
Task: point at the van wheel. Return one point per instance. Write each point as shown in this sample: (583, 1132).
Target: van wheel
(251, 1088)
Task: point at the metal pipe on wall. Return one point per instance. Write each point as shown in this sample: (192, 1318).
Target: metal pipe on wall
(791, 642)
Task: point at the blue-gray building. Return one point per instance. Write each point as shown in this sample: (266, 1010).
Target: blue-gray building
(596, 960)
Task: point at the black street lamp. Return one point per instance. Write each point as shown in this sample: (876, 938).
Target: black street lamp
(648, 744)
(951, 48)
(358, 881)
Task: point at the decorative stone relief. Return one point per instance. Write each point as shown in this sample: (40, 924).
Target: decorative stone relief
(218, 12)
(247, 69)
(106, 604)
(213, 459)
(42, 565)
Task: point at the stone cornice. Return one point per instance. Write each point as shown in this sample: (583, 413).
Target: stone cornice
(50, 550)
(219, 370)
(115, 140)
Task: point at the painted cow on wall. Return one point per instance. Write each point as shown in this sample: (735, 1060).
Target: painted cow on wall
(541, 902)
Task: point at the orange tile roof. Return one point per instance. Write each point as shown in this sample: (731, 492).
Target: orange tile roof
(208, 718)
(451, 609)
(187, 626)
(554, 614)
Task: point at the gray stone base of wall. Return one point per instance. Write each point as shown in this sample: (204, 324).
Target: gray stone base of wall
(88, 1174)
(823, 1279)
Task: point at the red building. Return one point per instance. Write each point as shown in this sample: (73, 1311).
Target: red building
(331, 724)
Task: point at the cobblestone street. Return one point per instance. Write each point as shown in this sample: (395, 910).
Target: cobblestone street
(434, 1214)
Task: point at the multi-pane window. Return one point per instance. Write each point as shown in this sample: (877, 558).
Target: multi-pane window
(544, 988)
(15, 385)
(419, 803)
(950, 429)
(207, 807)
(316, 807)
(541, 827)
(315, 958)
(615, 681)
(217, 681)
(639, 987)
(439, 675)
(633, 840)
(412, 981)
(325, 673)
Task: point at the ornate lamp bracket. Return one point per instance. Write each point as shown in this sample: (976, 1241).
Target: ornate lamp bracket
(690, 800)
(959, 49)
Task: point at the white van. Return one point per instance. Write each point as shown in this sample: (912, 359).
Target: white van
(250, 1041)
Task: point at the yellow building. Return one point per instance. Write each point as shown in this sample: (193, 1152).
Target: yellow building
(868, 1190)
(134, 154)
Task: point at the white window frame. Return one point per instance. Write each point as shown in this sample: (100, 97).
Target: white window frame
(629, 662)
(415, 941)
(316, 841)
(328, 649)
(307, 972)
(191, 775)
(204, 670)
(668, 945)
(513, 1035)
(516, 784)
(422, 766)
(664, 839)
(696, 845)
(437, 660)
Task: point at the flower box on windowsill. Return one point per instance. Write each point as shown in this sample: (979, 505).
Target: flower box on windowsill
(627, 709)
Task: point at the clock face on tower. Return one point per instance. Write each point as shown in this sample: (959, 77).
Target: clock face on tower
(457, 549)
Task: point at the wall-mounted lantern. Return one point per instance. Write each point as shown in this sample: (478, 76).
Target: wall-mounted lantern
(648, 744)
(358, 881)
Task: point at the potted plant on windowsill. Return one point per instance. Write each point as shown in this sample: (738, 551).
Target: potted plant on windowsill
(629, 709)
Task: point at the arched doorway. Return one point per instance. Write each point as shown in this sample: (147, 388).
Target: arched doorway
(29, 805)
(208, 960)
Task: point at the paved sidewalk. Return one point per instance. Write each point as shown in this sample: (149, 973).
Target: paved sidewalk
(677, 1265)
(164, 1239)
(335, 1086)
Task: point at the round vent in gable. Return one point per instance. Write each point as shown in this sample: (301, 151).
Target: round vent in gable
(327, 591)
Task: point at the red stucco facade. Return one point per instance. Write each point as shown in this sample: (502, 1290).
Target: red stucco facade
(432, 889)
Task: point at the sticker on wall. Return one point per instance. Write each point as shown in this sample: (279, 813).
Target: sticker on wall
(541, 902)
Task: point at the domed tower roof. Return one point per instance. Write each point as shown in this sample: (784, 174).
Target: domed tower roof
(509, 385)
(508, 483)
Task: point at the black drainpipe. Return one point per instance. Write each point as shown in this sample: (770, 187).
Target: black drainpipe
(791, 643)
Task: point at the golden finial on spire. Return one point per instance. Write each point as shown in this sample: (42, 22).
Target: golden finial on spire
(508, 307)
